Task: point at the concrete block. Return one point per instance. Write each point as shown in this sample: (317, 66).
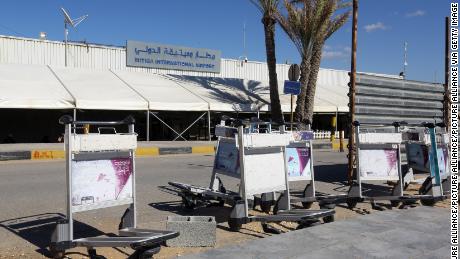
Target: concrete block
(15, 155)
(194, 231)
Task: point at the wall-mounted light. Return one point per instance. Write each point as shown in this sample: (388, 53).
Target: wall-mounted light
(42, 35)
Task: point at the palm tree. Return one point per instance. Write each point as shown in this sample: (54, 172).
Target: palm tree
(308, 24)
(269, 10)
(331, 25)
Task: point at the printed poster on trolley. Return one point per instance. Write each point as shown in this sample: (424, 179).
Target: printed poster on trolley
(99, 182)
(380, 164)
(227, 159)
(298, 163)
(418, 156)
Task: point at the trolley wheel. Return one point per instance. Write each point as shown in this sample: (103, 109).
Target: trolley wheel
(56, 253)
(428, 202)
(329, 219)
(395, 203)
(234, 224)
(306, 204)
(266, 206)
(351, 203)
(146, 253)
(275, 208)
(93, 255)
(327, 206)
(188, 205)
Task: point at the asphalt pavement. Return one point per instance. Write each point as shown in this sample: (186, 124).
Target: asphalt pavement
(421, 232)
(33, 191)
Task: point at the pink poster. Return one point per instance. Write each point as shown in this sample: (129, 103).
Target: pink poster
(379, 164)
(101, 181)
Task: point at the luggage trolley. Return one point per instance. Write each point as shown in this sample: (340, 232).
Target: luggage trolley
(226, 162)
(258, 160)
(101, 174)
(428, 152)
(263, 170)
(378, 158)
(299, 156)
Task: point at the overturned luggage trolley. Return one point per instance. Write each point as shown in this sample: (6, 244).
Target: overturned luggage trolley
(378, 158)
(101, 174)
(258, 160)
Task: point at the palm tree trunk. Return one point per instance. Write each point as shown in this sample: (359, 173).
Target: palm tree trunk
(315, 63)
(275, 105)
(300, 104)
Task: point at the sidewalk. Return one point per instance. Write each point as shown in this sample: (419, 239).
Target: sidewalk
(420, 232)
(45, 151)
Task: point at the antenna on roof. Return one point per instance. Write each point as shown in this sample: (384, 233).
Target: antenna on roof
(72, 22)
(243, 59)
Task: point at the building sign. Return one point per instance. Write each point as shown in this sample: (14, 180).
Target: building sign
(154, 55)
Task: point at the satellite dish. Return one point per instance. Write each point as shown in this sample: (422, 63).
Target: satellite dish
(68, 20)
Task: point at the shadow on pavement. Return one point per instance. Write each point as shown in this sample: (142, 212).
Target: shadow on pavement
(37, 229)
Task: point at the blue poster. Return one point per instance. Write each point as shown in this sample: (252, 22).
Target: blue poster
(227, 160)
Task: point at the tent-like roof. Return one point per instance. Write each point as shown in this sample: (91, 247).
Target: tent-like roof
(162, 93)
(99, 90)
(226, 94)
(32, 87)
(43, 87)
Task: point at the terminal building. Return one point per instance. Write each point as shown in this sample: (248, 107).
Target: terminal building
(99, 83)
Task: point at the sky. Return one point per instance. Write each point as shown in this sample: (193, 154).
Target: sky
(383, 27)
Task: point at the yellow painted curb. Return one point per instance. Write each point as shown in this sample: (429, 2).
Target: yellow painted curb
(147, 151)
(47, 154)
(202, 149)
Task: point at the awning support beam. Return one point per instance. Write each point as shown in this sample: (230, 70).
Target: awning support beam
(166, 124)
(193, 123)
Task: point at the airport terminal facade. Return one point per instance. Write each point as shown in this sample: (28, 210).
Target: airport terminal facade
(97, 83)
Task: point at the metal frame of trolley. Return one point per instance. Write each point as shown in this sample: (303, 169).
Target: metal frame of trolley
(113, 155)
(378, 158)
(427, 149)
(302, 143)
(253, 152)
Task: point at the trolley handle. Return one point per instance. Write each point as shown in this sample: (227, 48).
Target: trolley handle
(67, 119)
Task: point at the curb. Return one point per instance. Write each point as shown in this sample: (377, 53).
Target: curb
(140, 152)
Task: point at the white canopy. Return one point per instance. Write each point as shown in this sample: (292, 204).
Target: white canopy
(225, 94)
(43, 87)
(332, 91)
(163, 93)
(99, 90)
(32, 87)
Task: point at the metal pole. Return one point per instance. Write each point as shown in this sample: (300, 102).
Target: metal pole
(133, 161)
(351, 155)
(68, 153)
(209, 125)
(292, 108)
(66, 31)
(74, 119)
(446, 76)
(164, 123)
(148, 126)
(193, 123)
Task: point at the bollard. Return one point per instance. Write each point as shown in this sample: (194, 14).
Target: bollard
(86, 129)
(341, 141)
